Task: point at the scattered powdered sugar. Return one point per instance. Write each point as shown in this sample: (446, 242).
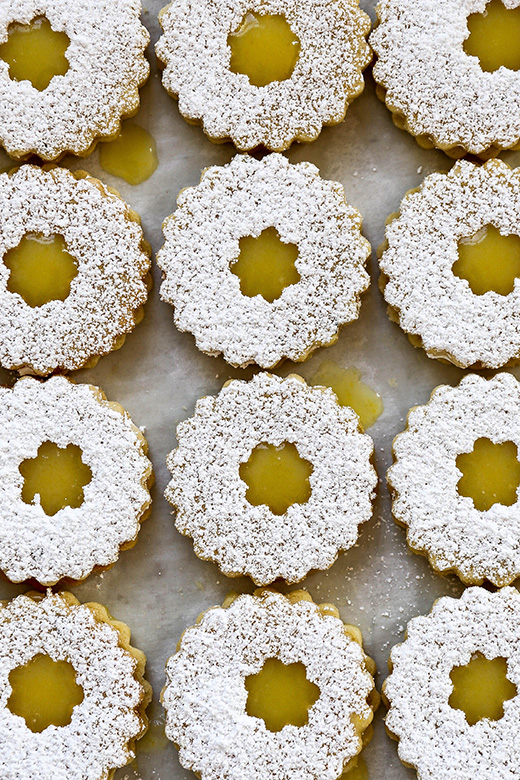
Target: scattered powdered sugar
(97, 737)
(430, 301)
(103, 236)
(202, 241)
(325, 79)
(434, 737)
(210, 497)
(205, 694)
(106, 68)
(442, 523)
(441, 91)
(73, 541)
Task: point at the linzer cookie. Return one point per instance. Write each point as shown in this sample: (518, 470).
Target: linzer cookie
(74, 484)
(69, 72)
(273, 73)
(72, 689)
(451, 265)
(263, 260)
(456, 477)
(453, 689)
(73, 271)
(271, 478)
(294, 682)
(449, 70)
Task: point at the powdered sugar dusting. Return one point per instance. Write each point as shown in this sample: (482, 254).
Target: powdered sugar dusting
(202, 242)
(447, 526)
(75, 540)
(205, 694)
(435, 738)
(210, 497)
(430, 301)
(441, 91)
(96, 739)
(102, 235)
(106, 68)
(326, 77)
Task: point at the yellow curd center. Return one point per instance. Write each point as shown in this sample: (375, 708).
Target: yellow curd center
(276, 476)
(489, 261)
(350, 390)
(481, 688)
(44, 692)
(41, 269)
(35, 52)
(280, 694)
(58, 475)
(264, 48)
(494, 37)
(266, 265)
(132, 155)
(490, 474)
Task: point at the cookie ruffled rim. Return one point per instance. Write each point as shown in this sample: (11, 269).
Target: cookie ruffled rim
(246, 539)
(254, 117)
(80, 135)
(466, 351)
(43, 548)
(491, 633)
(298, 607)
(30, 612)
(392, 20)
(499, 565)
(201, 245)
(138, 280)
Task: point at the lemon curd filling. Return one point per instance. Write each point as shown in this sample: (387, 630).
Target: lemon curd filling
(57, 475)
(276, 476)
(132, 155)
(481, 688)
(494, 37)
(358, 771)
(350, 390)
(489, 261)
(490, 474)
(280, 694)
(44, 692)
(41, 269)
(264, 48)
(266, 265)
(35, 52)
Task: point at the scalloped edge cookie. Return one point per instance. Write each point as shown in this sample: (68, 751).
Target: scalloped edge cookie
(202, 237)
(106, 297)
(327, 76)
(229, 643)
(424, 77)
(435, 738)
(75, 541)
(106, 57)
(210, 498)
(436, 309)
(105, 725)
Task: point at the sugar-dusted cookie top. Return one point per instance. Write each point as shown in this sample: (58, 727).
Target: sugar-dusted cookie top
(244, 533)
(106, 67)
(435, 737)
(103, 244)
(99, 495)
(327, 75)
(250, 201)
(444, 270)
(110, 716)
(208, 675)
